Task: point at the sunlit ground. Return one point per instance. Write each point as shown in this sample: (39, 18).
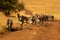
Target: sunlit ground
(51, 7)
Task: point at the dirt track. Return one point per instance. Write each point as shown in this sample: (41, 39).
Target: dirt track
(49, 31)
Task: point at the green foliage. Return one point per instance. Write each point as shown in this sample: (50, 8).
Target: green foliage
(8, 5)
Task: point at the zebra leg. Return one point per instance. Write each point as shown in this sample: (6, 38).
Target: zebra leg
(9, 27)
(21, 26)
(35, 22)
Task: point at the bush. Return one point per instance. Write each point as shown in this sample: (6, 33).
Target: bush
(6, 6)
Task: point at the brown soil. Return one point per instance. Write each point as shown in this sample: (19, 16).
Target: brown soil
(48, 31)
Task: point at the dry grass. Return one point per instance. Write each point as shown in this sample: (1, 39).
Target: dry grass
(49, 31)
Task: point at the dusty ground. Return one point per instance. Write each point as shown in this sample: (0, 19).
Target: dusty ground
(48, 31)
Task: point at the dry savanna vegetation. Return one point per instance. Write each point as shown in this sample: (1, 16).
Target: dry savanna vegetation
(50, 30)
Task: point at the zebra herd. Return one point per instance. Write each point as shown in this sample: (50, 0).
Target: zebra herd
(32, 20)
(37, 19)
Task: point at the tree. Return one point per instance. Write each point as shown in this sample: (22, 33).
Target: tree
(6, 6)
